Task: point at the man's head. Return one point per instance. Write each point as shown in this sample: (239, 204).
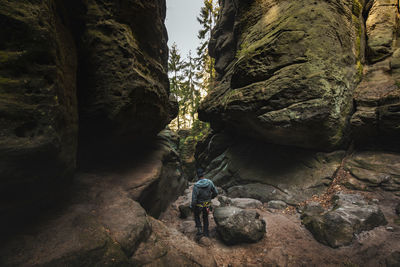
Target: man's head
(200, 173)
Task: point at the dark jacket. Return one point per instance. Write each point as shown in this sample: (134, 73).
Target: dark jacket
(204, 190)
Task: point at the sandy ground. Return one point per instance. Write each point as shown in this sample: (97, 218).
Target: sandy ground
(289, 243)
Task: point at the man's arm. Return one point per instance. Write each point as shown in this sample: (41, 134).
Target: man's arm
(214, 191)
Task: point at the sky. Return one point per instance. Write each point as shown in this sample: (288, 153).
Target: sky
(182, 25)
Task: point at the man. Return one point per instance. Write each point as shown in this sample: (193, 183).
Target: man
(203, 191)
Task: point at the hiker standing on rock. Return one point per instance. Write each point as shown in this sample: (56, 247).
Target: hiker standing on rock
(203, 191)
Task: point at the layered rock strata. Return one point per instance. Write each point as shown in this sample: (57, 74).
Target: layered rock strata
(375, 122)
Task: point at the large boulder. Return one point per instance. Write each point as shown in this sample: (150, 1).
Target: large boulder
(236, 225)
(350, 215)
(280, 76)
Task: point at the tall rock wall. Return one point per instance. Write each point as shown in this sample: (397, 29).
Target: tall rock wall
(287, 70)
(38, 104)
(102, 61)
(296, 78)
(376, 120)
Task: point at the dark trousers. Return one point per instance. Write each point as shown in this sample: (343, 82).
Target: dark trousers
(197, 211)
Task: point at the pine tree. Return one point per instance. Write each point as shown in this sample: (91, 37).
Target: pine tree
(175, 67)
(193, 96)
(207, 19)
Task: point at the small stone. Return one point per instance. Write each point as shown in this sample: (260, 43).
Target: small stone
(277, 204)
(184, 211)
(398, 209)
(375, 200)
(390, 229)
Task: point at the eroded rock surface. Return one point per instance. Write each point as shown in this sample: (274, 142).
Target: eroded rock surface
(236, 225)
(110, 57)
(168, 247)
(351, 215)
(38, 105)
(376, 119)
(103, 223)
(287, 70)
(371, 169)
(249, 169)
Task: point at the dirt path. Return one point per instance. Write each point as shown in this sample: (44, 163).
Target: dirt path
(289, 243)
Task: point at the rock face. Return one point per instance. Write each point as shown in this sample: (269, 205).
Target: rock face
(337, 227)
(371, 169)
(102, 224)
(287, 70)
(38, 105)
(110, 57)
(236, 225)
(376, 119)
(250, 169)
(123, 76)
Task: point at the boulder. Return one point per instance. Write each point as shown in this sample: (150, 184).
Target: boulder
(236, 225)
(337, 227)
(184, 211)
(243, 203)
(280, 78)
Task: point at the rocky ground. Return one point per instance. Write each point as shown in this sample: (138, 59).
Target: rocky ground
(288, 243)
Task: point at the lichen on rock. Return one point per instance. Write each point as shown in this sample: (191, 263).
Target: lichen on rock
(286, 83)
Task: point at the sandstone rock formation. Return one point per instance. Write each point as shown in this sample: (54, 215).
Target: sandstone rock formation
(370, 170)
(39, 116)
(251, 169)
(287, 70)
(103, 60)
(351, 215)
(289, 75)
(376, 119)
(103, 224)
(236, 225)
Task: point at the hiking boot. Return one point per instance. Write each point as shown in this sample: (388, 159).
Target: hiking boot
(199, 232)
(205, 232)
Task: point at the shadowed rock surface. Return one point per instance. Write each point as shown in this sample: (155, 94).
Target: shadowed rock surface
(110, 57)
(250, 169)
(38, 105)
(102, 223)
